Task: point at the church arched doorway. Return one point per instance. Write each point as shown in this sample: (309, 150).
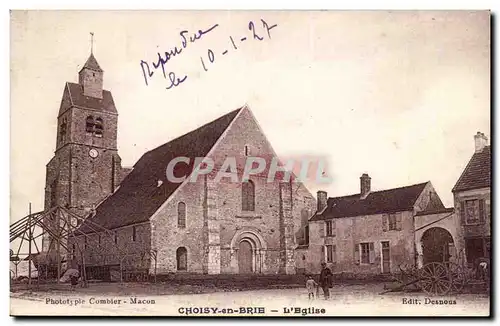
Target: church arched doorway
(245, 257)
(437, 245)
(248, 252)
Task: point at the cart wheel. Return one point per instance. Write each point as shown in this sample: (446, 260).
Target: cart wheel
(457, 277)
(435, 279)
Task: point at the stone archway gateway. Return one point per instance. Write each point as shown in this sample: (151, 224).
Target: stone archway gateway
(248, 252)
(437, 245)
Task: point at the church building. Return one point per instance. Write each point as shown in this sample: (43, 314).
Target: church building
(159, 226)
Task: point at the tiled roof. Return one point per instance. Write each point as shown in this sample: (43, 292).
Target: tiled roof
(92, 64)
(377, 202)
(139, 196)
(477, 173)
(73, 96)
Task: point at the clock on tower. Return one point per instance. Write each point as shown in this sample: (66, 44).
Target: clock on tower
(86, 166)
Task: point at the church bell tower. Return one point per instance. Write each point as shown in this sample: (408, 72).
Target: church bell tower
(86, 167)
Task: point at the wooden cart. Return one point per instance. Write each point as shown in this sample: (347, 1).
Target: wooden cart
(442, 278)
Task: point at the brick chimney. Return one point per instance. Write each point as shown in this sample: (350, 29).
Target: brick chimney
(322, 197)
(480, 141)
(365, 185)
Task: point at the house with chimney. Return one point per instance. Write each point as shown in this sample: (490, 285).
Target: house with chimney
(472, 198)
(371, 232)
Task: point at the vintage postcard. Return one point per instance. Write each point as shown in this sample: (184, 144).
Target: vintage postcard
(250, 163)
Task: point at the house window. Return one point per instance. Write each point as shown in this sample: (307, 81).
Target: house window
(134, 233)
(74, 251)
(392, 222)
(330, 253)
(330, 228)
(99, 128)
(181, 215)
(307, 234)
(248, 196)
(181, 256)
(473, 211)
(365, 253)
(89, 124)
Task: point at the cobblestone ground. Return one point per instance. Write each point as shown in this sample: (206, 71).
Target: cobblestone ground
(353, 300)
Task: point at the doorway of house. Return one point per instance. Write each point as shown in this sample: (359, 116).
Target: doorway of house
(476, 248)
(386, 257)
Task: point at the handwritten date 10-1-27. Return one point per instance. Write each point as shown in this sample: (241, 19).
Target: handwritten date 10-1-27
(256, 34)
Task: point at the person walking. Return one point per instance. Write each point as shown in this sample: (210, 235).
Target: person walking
(325, 280)
(311, 286)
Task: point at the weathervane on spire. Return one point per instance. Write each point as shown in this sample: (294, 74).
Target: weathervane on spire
(91, 42)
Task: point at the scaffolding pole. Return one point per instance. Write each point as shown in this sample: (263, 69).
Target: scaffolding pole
(29, 245)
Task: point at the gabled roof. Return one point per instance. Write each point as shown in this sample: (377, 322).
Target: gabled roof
(377, 202)
(138, 196)
(91, 63)
(477, 173)
(73, 96)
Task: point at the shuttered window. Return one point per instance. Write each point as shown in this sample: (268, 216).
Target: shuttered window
(366, 253)
(473, 211)
(392, 222)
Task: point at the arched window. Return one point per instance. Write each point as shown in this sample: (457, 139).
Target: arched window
(248, 196)
(181, 215)
(62, 131)
(89, 124)
(99, 128)
(181, 256)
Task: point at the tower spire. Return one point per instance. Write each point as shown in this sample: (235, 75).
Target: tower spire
(91, 42)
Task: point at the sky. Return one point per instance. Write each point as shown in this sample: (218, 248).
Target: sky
(397, 95)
